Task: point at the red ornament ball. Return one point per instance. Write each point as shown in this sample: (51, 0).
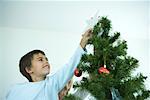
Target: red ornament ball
(103, 70)
(77, 72)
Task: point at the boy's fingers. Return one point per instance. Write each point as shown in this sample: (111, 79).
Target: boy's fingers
(88, 32)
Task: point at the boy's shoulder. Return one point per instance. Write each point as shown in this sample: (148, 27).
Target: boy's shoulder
(17, 85)
(23, 86)
(19, 89)
(12, 89)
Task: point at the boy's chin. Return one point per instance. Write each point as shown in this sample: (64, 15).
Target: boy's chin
(46, 73)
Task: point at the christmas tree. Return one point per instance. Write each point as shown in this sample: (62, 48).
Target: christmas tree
(109, 68)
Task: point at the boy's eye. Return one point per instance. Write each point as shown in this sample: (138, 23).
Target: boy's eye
(40, 59)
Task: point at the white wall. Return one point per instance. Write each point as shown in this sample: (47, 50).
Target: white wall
(56, 28)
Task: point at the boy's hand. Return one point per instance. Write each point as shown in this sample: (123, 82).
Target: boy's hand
(85, 37)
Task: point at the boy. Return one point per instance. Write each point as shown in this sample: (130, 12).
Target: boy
(35, 67)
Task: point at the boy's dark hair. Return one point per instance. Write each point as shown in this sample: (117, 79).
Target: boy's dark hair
(25, 61)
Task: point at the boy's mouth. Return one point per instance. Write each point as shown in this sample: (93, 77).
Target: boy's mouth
(46, 66)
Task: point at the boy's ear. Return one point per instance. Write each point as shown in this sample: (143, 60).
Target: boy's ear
(28, 70)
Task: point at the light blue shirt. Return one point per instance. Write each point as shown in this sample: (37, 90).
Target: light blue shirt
(49, 88)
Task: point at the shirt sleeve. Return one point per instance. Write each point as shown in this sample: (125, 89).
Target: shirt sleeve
(65, 73)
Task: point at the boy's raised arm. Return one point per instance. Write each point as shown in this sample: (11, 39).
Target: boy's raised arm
(66, 72)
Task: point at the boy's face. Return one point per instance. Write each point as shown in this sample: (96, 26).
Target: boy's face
(40, 66)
